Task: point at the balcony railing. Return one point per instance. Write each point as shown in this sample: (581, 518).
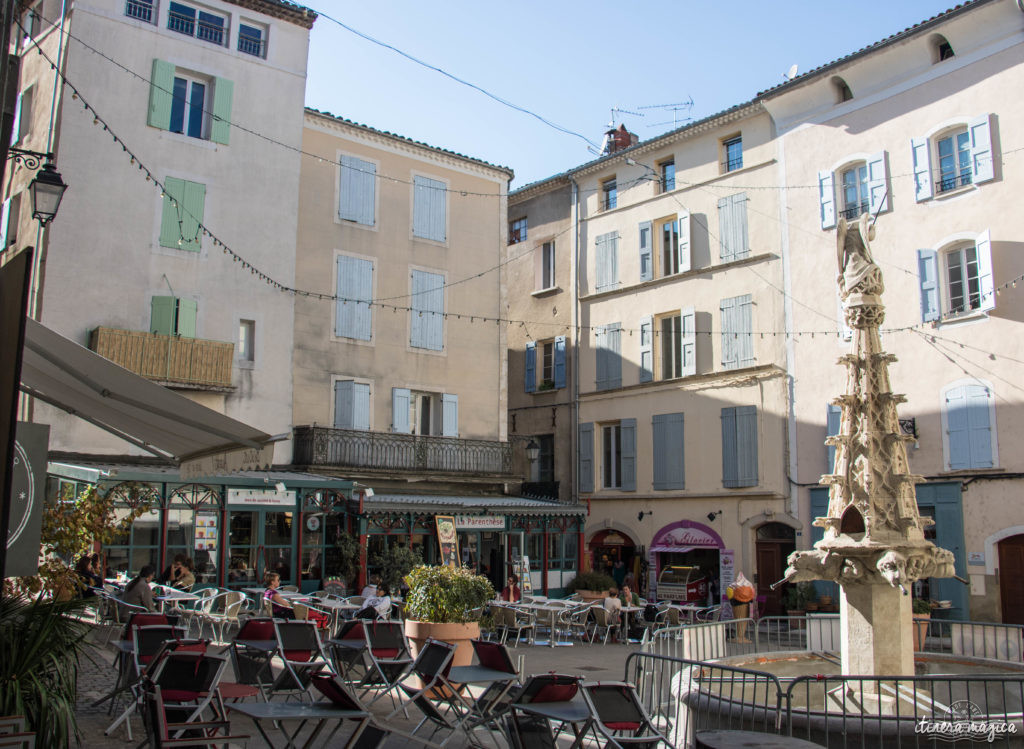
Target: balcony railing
(251, 45)
(954, 181)
(167, 358)
(141, 9)
(208, 27)
(853, 211)
(325, 446)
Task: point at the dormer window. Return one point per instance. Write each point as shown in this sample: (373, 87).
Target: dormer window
(941, 48)
(843, 92)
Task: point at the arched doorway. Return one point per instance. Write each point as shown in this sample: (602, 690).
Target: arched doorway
(775, 542)
(608, 548)
(1011, 579)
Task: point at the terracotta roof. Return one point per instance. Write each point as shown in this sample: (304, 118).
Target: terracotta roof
(300, 15)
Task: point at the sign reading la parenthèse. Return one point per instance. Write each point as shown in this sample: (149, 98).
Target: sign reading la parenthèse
(480, 522)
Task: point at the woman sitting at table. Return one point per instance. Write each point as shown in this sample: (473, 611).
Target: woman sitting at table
(186, 576)
(613, 605)
(511, 593)
(279, 606)
(138, 592)
(88, 577)
(378, 606)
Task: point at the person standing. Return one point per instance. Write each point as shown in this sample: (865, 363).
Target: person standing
(619, 573)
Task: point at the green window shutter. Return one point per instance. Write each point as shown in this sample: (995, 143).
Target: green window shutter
(170, 223)
(192, 216)
(223, 92)
(161, 314)
(160, 94)
(187, 310)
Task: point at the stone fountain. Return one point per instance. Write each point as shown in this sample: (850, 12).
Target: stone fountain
(874, 545)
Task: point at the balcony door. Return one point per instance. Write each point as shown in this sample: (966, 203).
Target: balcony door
(260, 540)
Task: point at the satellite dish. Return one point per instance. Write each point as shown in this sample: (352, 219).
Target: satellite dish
(792, 72)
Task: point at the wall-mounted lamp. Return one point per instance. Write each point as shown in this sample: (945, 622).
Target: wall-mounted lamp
(46, 189)
(532, 450)
(640, 515)
(713, 515)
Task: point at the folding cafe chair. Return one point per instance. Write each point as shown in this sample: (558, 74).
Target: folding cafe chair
(387, 652)
(497, 696)
(301, 652)
(431, 668)
(251, 661)
(347, 650)
(619, 717)
(530, 731)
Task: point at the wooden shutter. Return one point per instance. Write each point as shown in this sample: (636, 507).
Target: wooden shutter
(613, 259)
(725, 241)
(600, 262)
(355, 289)
(646, 266)
(560, 361)
(188, 310)
(646, 349)
(744, 317)
(613, 336)
(928, 274)
(827, 199)
(683, 230)
(833, 419)
(361, 405)
(586, 457)
(435, 323)
(162, 311)
(730, 455)
(921, 152)
(667, 439)
(688, 340)
(979, 425)
(449, 415)
(878, 174)
(161, 94)
(746, 441)
(344, 404)
(627, 455)
(5, 219)
(357, 190)
(171, 223)
(983, 247)
(958, 430)
(729, 344)
(16, 126)
(192, 212)
(223, 92)
(740, 232)
(427, 329)
(531, 367)
(982, 161)
(429, 208)
(400, 398)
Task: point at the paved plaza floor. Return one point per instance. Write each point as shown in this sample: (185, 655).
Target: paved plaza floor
(97, 676)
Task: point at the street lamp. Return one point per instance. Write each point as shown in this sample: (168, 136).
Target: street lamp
(47, 188)
(532, 450)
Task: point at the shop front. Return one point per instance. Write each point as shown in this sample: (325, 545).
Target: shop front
(685, 553)
(614, 553)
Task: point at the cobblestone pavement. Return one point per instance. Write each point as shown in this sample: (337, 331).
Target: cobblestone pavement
(97, 677)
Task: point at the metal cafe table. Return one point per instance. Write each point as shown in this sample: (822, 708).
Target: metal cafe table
(279, 712)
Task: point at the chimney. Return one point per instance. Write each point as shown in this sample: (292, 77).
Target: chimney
(618, 139)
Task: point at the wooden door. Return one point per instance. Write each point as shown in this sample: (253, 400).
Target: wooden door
(1011, 579)
(769, 569)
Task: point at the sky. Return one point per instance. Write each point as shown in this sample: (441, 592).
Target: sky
(570, 63)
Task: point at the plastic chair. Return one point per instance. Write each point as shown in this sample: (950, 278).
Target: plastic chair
(603, 621)
(221, 612)
(619, 717)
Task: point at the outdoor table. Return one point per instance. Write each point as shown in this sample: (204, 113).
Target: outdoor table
(267, 645)
(689, 609)
(553, 612)
(627, 610)
(483, 676)
(278, 712)
(175, 596)
(573, 712)
(337, 608)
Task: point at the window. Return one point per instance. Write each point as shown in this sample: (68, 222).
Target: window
(606, 258)
(140, 9)
(668, 175)
(423, 413)
(247, 341)
(843, 92)
(611, 456)
(732, 152)
(833, 422)
(357, 190)
(609, 359)
(9, 219)
(563, 551)
(182, 214)
(546, 458)
(941, 49)
(863, 188)
(667, 443)
(351, 405)
(545, 266)
(670, 343)
(609, 194)
(184, 102)
(855, 191)
(202, 24)
(676, 345)
(427, 313)
(550, 374)
(732, 227)
(429, 209)
(739, 446)
(170, 315)
(955, 157)
(737, 332)
(968, 418)
(22, 116)
(668, 236)
(956, 280)
(252, 39)
(517, 230)
(353, 313)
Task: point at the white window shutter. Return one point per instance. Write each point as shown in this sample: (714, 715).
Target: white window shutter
(878, 182)
(986, 284)
(400, 398)
(449, 415)
(683, 228)
(958, 430)
(687, 320)
(928, 276)
(601, 262)
(725, 241)
(646, 349)
(982, 157)
(827, 199)
(745, 330)
(361, 405)
(728, 326)
(921, 151)
(646, 266)
(613, 259)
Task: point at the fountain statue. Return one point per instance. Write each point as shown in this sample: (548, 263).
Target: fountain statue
(874, 545)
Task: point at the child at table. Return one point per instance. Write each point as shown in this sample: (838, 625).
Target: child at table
(279, 607)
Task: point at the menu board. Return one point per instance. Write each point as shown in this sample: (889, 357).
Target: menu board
(206, 531)
(522, 570)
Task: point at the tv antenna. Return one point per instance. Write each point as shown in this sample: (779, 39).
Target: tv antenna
(615, 114)
(675, 108)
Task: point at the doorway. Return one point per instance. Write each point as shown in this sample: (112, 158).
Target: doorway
(775, 542)
(260, 541)
(1011, 579)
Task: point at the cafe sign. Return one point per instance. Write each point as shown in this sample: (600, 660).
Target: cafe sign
(261, 497)
(480, 522)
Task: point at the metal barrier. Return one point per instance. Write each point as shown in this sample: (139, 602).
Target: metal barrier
(708, 641)
(992, 640)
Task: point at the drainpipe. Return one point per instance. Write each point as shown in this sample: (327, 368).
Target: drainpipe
(787, 306)
(574, 437)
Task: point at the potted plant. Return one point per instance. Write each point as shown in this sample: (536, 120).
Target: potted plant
(346, 549)
(794, 601)
(446, 603)
(591, 585)
(393, 564)
(922, 611)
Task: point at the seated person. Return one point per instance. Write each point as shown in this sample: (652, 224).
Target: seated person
(511, 592)
(186, 576)
(628, 597)
(279, 606)
(613, 605)
(370, 590)
(138, 592)
(170, 575)
(378, 606)
(87, 576)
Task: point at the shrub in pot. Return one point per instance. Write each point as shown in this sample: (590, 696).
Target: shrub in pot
(446, 603)
(921, 610)
(591, 585)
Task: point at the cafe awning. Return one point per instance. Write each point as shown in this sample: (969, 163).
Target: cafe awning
(58, 371)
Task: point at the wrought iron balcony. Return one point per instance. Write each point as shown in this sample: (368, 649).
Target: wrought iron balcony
(326, 446)
(167, 358)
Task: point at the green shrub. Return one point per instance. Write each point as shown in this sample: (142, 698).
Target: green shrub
(394, 564)
(921, 606)
(444, 595)
(591, 580)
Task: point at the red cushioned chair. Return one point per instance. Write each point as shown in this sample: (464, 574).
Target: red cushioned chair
(251, 664)
(388, 653)
(347, 651)
(300, 649)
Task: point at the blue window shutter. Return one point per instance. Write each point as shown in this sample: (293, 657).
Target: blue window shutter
(985, 283)
(560, 361)
(688, 340)
(355, 287)
(427, 313)
(827, 199)
(725, 240)
(356, 200)
(449, 415)
(436, 322)
(746, 441)
(600, 358)
(614, 338)
(646, 349)
(667, 440)
(627, 432)
(646, 267)
(361, 405)
(160, 94)
(586, 457)
(531, 366)
(730, 450)
(683, 232)
(429, 208)
(958, 429)
(979, 425)
(921, 151)
(344, 411)
(601, 262)
(400, 398)
(928, 274)
(878, 183)
(833, 419)
(223, 93)
(982, 161)
(744, 312)
(732, 325)
(740, 232)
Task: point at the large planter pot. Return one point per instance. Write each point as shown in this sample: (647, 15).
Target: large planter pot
(920, 629)
(457, 634)
(592, 595)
